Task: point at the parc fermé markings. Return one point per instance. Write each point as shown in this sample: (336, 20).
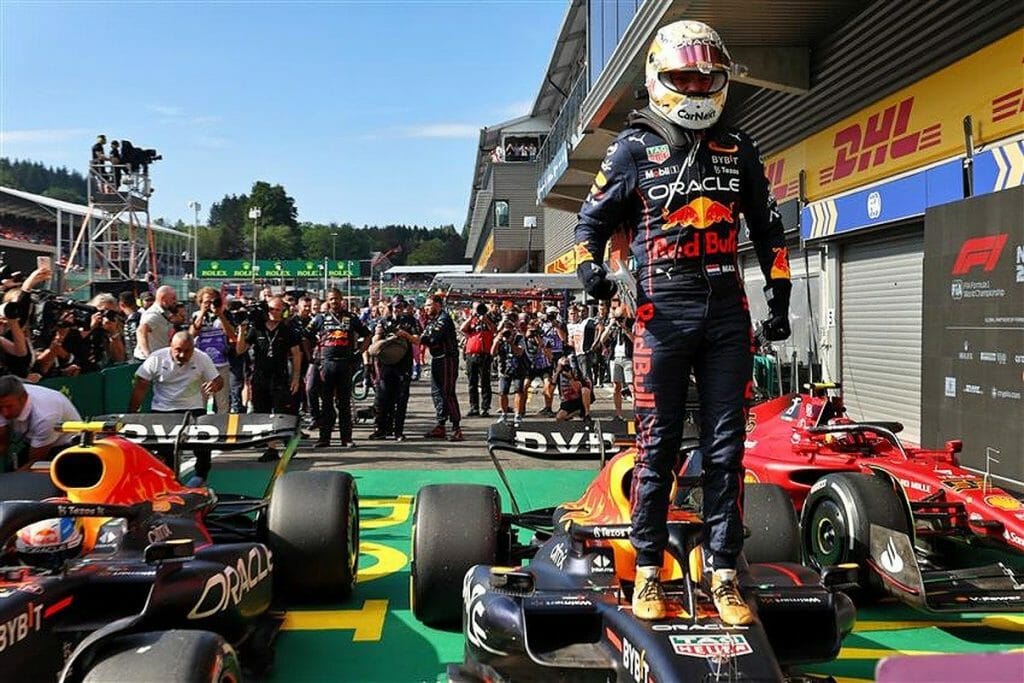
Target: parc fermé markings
(357, 640)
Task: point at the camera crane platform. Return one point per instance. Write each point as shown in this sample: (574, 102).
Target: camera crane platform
(120, 242)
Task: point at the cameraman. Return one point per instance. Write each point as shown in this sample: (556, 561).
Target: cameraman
(214, 334)
(513, 366)
(617, 338)
(102, 341)
(238, 363)
(574, 390)
(277, 362)
(479, 330)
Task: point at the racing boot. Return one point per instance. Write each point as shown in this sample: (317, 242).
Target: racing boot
(726, 594)
(649, 602)
(437, 432)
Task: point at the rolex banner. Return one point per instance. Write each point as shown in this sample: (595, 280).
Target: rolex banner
(267, 268)
(972, 374)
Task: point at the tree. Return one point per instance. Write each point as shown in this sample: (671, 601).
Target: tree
(274, 242)
(427, 253)
(276, 207)
(209, 242)
(229, 214)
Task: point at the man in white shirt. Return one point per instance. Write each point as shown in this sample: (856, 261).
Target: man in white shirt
(155, 326)
(182, 377)
(29, 417)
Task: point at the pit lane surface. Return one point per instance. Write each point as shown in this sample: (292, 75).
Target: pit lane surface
(374, 637)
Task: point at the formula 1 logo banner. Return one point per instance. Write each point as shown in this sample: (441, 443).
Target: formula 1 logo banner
(972, 369)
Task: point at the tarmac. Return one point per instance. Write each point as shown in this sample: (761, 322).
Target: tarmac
(418, 452)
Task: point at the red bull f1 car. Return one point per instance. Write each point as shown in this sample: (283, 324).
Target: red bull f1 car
(112, 570)
(922, 527)
(556, 606)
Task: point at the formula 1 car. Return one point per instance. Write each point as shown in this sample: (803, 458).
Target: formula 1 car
(557, 607)
(905, 514)
(157, 580)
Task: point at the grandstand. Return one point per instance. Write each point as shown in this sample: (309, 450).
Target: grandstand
(33, 225)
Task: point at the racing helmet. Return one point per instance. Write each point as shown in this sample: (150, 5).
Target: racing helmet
(50, 543)
(687, 74)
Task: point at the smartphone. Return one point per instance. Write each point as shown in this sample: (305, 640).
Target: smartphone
(43, 262)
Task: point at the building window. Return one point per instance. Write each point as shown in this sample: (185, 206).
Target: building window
(501, 214)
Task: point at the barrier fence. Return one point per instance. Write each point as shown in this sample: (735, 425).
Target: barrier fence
(99, 393)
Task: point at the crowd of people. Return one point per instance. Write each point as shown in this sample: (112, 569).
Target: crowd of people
(299, 354)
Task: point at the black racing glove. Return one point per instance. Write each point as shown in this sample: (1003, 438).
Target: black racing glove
(776, 326)
(595, 281)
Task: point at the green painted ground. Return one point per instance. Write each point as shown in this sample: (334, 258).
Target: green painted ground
(374, 637)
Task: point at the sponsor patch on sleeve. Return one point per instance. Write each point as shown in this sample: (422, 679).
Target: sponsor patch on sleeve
(780, 266)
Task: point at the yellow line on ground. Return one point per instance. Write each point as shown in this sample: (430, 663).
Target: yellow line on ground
(1005, 622)
(367, 622)
(848, 679)
(864, 626)
(879, 653)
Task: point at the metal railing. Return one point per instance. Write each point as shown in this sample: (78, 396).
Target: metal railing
(564, 126)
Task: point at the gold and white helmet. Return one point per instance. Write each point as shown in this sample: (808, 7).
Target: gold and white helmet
(687, 74)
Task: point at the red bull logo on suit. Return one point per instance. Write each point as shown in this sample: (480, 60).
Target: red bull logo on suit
(701, 213)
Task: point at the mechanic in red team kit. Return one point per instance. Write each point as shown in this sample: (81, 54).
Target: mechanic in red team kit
(340, 337)
(679, 180)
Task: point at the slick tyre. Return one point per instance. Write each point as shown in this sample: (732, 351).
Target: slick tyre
(837, 518)
(455, 526)
(166, 657)
(313, 531)
(774, 530)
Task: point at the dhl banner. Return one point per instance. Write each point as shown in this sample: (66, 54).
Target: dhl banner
(566, 263)
(485, 254)
(914, 127)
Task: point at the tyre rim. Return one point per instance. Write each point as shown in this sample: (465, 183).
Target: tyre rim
(353, 535)
(829, 530)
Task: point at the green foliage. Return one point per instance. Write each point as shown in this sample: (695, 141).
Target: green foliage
(209, 242)
(427, 253)
(58, 183)
(276, 207)
(273, 242)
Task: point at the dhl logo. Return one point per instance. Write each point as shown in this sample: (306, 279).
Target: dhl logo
(1008, 105)
(700, 214)
(774, 172)
(883, 136)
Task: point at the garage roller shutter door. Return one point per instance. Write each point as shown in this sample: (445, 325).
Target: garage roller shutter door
(881, 331)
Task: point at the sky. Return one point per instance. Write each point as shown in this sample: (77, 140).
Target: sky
(366, 112)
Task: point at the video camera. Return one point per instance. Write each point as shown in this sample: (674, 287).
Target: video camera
(138, 159)
(253, 314)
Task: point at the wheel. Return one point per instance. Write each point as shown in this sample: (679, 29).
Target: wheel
(774, 530)
(313, 531)
(837, 519)
(166, 657)
(455, 526)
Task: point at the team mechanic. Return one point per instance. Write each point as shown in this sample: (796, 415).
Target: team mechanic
(679, 180)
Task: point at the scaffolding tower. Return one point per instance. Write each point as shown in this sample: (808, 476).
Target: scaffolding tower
(120, 243)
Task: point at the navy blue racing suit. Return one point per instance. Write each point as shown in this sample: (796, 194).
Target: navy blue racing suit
(681, 205)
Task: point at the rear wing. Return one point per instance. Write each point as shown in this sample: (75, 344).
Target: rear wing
(223, 432)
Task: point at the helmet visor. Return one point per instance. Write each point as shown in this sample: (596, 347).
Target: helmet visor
(695, 82)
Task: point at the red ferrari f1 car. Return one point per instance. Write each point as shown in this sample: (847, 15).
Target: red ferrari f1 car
(903, 513)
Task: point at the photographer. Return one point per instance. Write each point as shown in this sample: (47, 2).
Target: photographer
(394, 368)
(214, 334)
(155, 326)
(102, 341)
(238, 363)
(479, 330)
(617, 338)
(509, 348)
(277, 363)
(574, 390)
(540, 362)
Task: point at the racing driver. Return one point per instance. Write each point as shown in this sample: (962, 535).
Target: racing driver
(678, 180)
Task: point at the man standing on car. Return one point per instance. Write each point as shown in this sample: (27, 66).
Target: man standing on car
(340, 337)
(479, 333)
(680, 182)
(439, 336)
(394, 374)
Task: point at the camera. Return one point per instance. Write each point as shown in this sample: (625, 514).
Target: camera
(481, 309)
(12, 310)
(138, 159)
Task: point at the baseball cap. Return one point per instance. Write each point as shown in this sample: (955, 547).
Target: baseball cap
(551, 309)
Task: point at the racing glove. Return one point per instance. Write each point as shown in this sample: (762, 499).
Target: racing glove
(595, 280)
(776, 326)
